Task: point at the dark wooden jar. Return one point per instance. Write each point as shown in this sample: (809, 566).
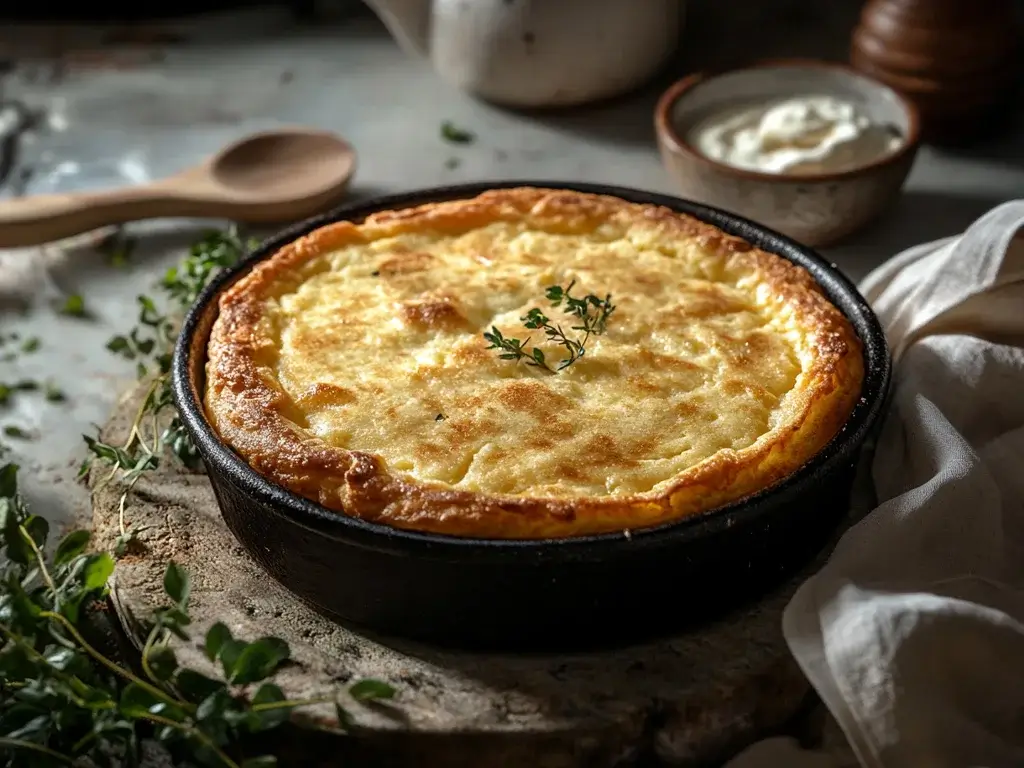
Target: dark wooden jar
(958, 60)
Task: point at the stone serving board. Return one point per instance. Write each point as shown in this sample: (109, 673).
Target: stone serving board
(692, 699)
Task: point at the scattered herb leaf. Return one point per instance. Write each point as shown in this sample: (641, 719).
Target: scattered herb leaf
(28, 346)
(53, 393)
(12, 430)
(452, 133)
(73, 306)
(370, 690)
(50, 391)
(177, 584)
(118, 248)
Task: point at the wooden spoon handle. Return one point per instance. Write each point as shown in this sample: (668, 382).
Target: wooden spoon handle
(44, 218)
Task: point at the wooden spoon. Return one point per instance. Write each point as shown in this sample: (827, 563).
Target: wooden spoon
(268, 177)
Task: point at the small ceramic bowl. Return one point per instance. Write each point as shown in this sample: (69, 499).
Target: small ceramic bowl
(814, 209)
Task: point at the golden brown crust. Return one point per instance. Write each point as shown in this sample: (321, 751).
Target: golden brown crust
(254, 414)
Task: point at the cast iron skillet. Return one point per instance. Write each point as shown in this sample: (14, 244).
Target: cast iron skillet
(548, 594)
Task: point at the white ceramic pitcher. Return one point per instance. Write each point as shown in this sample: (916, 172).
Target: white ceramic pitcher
(538, 53)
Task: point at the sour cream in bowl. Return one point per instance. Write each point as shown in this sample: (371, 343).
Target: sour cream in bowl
(811, 149)
(796, 135)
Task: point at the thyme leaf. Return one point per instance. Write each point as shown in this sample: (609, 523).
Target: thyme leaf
(455, 135)
(118, 248)
(53, 393)
(73, 306)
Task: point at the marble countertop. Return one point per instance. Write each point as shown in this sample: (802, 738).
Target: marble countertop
(110, 113)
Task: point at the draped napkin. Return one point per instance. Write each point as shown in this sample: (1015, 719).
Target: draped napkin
(913, 632)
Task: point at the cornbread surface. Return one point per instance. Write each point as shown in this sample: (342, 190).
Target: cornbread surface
(350, 367)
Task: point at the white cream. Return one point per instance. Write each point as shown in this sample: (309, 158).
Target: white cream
(802, 135)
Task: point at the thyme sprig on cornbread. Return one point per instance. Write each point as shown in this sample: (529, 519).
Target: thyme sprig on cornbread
(591, 311)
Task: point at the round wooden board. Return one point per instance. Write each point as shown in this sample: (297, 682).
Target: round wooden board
(695, 698)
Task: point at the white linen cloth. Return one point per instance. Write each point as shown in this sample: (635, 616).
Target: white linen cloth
(913, 631)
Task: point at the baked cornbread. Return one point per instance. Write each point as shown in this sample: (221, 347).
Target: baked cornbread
(350, 367)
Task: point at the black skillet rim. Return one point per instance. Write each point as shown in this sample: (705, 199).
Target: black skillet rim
(354, 531)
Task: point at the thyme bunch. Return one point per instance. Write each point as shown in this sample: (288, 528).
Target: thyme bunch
(64, 700)
(156, 428)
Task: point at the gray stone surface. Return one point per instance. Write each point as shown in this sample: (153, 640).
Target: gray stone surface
(681, 701)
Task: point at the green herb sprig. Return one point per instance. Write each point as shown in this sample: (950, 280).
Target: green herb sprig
(590, 312)
(156, 428)
(64, 701)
